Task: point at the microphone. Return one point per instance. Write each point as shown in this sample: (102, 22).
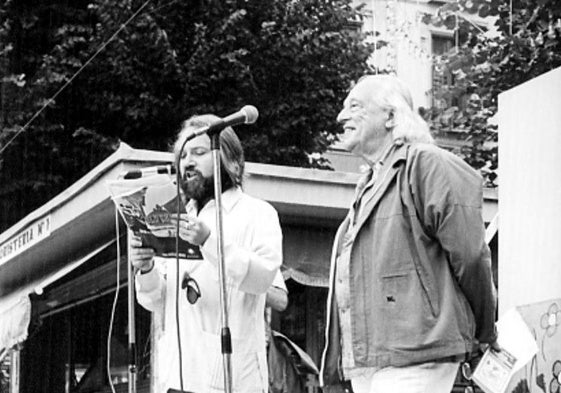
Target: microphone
(247, 115)
(150, 171)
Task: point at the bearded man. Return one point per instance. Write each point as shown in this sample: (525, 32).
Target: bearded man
(192, 361)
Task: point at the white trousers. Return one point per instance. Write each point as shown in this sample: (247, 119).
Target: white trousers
(433, 377)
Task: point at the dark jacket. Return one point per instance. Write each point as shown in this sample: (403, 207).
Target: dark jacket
(421, 283)
(288, 365)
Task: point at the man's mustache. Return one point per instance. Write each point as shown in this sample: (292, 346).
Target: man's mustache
(189, 173)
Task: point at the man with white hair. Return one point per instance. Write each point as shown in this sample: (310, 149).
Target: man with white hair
(411, 289)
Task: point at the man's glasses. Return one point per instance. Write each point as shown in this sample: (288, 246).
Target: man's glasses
(193, 292)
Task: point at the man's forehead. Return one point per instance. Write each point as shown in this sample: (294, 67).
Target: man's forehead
(360, 92)
(199, 141)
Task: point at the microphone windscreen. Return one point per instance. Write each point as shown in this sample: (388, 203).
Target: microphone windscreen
(251, 114)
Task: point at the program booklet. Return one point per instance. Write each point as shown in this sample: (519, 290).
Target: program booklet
(148, 203)
(518, 346)
(494, 371)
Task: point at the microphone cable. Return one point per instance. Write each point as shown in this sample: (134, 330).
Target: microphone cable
(115, 300)
(178, 208)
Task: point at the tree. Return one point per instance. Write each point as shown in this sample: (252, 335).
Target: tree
(522, 45)
(51, 152)
(294, 60)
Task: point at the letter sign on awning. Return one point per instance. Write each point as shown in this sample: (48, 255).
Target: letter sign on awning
(25, 239)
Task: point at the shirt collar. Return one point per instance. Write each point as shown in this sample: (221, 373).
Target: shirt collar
(370, 171)
(229, 199)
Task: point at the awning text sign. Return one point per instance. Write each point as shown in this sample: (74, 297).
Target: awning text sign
(25, 239)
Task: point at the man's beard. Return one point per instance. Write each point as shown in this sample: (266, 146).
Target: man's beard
(201, 188)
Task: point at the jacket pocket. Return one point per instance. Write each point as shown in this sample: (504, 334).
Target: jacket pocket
(405, 309)
(429, 289)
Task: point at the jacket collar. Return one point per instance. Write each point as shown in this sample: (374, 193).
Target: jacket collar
(388, 170)
(397, 153)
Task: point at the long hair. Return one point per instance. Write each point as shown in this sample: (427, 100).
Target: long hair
(231, 150)
(392, 94)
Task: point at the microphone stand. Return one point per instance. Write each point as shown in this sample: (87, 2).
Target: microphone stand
(132, 336)
(226, 339)
(225, 336)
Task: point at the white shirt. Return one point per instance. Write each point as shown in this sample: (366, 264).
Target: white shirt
(252, 255)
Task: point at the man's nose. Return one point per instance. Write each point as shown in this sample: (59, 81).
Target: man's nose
(342, 116)
(187, 164)
(187, 160)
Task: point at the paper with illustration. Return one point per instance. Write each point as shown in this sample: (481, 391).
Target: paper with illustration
(518, 346)
(148, 205)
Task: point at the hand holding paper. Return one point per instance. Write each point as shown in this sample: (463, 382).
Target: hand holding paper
(517, 347)
(191, 229)
(149, 207)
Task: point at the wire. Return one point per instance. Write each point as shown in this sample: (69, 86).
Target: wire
(154, 10)
(114, 307)
(178, 179)
(50, 100)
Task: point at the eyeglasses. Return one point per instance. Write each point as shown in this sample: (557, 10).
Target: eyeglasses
(193, 292)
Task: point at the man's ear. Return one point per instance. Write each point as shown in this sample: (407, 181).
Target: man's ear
(390, 123)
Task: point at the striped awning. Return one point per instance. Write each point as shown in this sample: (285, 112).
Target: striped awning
(16, 315)
(15, 308)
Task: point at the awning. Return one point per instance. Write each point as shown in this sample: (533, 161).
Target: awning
(14, 323)
(16, 308)
(307, 251)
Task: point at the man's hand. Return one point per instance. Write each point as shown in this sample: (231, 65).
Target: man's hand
(142, 258)
(494, 346)
(276, 298)
(191, 229)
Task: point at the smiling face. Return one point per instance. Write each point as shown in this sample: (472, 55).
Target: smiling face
(364, 122)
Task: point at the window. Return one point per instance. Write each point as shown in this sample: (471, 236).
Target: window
(441, 79)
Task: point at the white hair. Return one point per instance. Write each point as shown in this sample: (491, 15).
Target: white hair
(392, 94)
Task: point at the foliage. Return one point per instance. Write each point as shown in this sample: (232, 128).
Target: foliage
(516, 49)
(52, 151)
(294, 60)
